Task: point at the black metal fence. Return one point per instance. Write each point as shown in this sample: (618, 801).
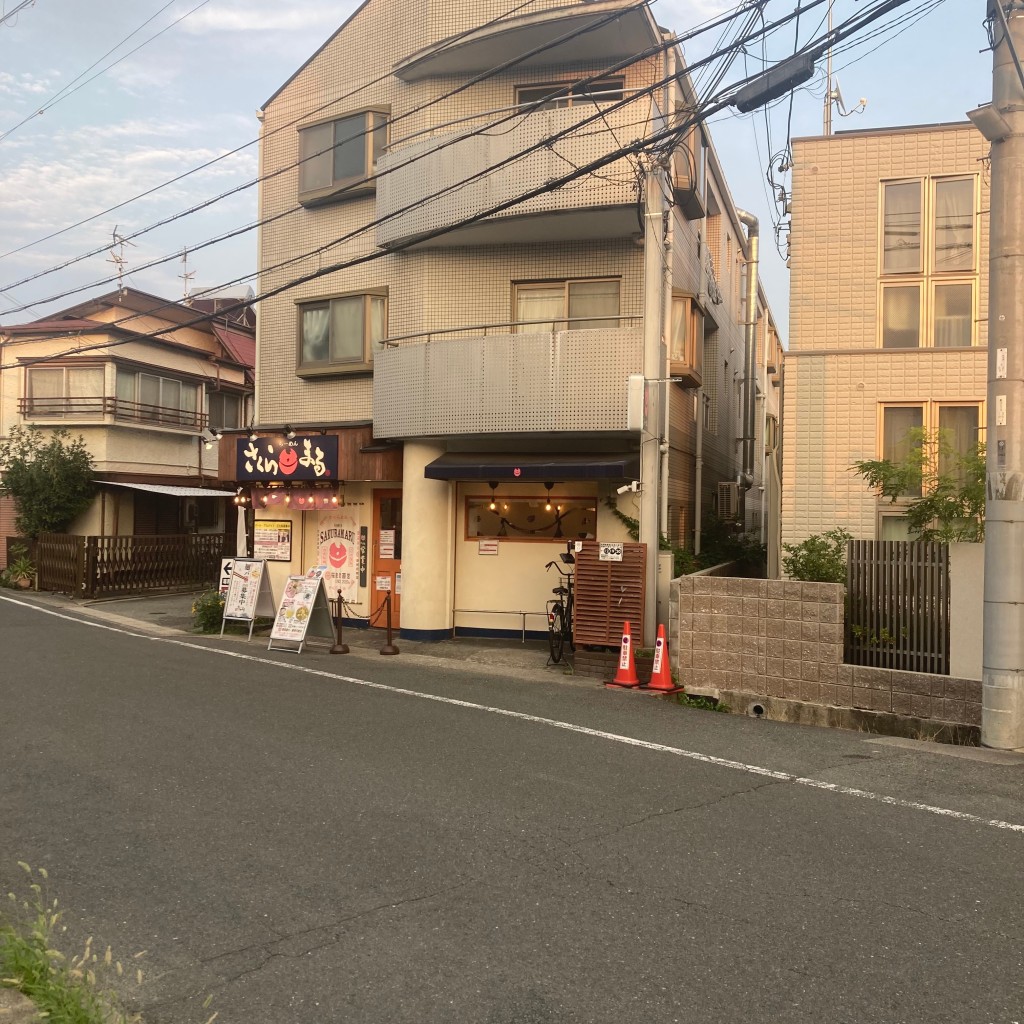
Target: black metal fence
(897, 605)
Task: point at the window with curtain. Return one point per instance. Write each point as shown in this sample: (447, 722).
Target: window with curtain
(65, 391)
(901, 227)
(151, 398)
(928, 242)
(901, 316)
(338, 335)
(566, 305)
(897, 441)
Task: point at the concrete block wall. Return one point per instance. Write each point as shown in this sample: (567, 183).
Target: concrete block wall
(784, 639)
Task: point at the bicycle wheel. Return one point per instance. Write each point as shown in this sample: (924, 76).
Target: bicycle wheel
(556, 633)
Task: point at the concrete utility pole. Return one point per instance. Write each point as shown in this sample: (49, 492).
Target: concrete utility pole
(1002, 123)
(655, 209)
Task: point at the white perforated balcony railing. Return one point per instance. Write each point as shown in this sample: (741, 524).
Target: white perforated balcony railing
(505, 383)
(419, 188)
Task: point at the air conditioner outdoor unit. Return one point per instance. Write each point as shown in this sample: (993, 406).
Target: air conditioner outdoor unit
(729, 500)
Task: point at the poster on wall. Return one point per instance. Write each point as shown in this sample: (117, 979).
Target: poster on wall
(272, 540)
(336, 547)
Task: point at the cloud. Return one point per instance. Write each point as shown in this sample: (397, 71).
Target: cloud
(27, 84)
(249, 18)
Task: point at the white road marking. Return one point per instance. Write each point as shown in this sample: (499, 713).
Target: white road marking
(630, 741)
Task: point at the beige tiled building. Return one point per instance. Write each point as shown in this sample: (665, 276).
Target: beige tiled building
(888, 262)
(469, 349)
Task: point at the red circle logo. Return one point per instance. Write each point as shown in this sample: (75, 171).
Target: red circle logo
(337, 555)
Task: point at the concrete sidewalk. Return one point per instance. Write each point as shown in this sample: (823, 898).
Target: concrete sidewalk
(171, 614)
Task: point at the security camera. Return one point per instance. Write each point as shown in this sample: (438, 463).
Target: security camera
(633, 486)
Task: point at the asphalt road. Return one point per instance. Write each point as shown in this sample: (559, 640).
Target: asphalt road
(317, 839)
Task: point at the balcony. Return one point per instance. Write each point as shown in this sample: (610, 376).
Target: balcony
(412, 175)
(505, 383)
(102, 409)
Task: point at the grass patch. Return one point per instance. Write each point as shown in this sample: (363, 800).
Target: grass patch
(701, 703)
(75, 990)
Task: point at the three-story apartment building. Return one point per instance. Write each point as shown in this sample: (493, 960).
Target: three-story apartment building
(472, 302)
(889, 283)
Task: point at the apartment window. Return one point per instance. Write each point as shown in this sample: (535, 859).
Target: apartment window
(224, 410)
(555, 95)
(686, 340)
(65, 391)
(928, 263)
(566, 305)
(337, 335)
(339, 155)
(151, 398)
(903, 426)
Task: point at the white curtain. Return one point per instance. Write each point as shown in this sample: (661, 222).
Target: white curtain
(901, 233)
(954, 225)
(539, 302)
(315, 333)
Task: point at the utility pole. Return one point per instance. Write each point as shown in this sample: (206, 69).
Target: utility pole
(1002, 123)
(655, 212)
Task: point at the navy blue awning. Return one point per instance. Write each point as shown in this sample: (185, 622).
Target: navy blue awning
(502, 467)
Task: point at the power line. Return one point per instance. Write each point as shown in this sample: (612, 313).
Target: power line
(662, 136)
(517, 111)
(224, 156)
(10, 14)
(64, 93)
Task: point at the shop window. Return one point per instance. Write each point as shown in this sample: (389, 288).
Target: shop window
(531, 518)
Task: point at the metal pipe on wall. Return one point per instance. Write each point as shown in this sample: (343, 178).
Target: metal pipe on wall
(746, 478)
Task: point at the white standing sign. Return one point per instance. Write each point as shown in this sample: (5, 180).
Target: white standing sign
(248, 593)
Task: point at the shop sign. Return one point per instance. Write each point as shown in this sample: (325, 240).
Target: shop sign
(609, 553)
(336, 549)
(312, 457)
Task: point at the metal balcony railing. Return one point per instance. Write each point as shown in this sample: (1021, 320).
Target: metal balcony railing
(103, 408)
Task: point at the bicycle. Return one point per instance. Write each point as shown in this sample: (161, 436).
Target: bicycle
(560, 608)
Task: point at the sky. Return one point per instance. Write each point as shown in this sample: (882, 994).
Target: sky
(118, 123)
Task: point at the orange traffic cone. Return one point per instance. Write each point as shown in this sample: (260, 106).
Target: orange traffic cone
(626, 675)
(661, 674)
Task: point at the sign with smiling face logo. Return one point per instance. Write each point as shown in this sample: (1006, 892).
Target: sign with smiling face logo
(336, 538)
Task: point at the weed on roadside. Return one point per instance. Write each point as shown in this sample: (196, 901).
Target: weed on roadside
(75, 990)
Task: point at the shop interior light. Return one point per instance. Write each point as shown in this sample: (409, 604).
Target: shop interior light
(493, 505)
(547, 505)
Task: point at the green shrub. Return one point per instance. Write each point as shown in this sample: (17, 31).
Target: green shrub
(819, 559)
(208, 612)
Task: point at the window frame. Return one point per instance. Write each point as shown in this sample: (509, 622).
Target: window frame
(564, 323)
(340, 367)
(174, 417)
(688, 363)
(928, 276)
(931, 411)
(352, 185)
(569, 91)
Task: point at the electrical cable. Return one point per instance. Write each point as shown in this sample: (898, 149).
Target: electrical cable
(283, 170)
(64, 93)
(726, 99)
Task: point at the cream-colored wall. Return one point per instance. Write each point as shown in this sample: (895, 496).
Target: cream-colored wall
(831, 421)
(515, 580)
(836, 374)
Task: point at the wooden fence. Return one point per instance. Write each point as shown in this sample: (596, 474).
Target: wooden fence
(897, 605)
(111, 566)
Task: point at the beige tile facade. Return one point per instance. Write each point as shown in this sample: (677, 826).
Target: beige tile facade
(837, 374)
(451, 287)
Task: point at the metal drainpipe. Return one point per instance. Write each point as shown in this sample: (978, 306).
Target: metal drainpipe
(746, 478)
(698, 472)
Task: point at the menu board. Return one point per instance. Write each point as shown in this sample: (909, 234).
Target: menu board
(244, 590)
(303, 604)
